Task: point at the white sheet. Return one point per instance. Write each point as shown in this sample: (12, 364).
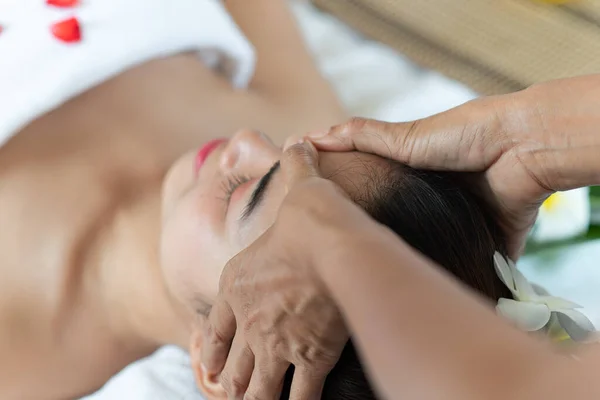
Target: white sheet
(371, 79)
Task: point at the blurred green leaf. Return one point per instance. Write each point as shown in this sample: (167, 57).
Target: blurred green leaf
(594, 232)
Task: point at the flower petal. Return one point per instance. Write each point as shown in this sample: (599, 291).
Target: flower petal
(557, 303)
(540, 290)
(577, 325)
(524, 289)
(563, 216)
(556, 332)
(503, 271)
(526, 316)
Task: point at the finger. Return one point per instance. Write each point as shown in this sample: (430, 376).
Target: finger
(292, 140)
(365, 135)
(238, 369)
(467, 138)
(267, 380)
(218, 335)
(300, 161)
(307, 385)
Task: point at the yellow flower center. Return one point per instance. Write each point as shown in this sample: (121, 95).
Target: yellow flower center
(552, 202)
(560, 337)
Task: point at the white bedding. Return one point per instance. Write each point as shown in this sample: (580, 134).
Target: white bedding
(372, 81)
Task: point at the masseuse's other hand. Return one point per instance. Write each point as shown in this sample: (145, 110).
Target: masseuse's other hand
(272, 311)
(524, 146)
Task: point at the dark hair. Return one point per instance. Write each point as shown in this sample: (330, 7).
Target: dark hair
(438, 215)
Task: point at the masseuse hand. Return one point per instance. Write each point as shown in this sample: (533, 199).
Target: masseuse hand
(272, 311)
(523, 146)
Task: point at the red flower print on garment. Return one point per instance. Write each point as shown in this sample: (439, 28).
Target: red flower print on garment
(68, 30)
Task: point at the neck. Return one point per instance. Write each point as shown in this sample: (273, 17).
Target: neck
(142, 311)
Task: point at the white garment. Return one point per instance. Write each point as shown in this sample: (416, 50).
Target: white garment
(38, 73)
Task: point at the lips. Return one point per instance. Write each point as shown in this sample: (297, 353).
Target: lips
(205, 151)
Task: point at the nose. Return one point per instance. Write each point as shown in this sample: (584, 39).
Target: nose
(249, 152)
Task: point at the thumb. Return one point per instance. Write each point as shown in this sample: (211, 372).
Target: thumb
(386, 139)
(300, 161)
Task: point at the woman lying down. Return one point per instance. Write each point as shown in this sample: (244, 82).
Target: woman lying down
(121, 205)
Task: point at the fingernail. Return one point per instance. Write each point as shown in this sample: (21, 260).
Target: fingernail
(309, 146)
(293, 140)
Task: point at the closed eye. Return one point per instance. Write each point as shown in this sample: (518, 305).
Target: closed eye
(233, 183)
(259, 192)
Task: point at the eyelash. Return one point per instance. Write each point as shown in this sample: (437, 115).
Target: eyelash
(233, 182)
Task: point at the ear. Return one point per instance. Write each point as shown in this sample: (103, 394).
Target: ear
(208, 385)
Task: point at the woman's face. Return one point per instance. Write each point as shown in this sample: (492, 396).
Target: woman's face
(218, 200)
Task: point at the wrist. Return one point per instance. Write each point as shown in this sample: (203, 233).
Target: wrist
(557, 132)
(352, 248)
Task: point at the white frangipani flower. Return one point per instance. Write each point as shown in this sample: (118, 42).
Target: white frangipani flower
(534, 309)
(563, 215)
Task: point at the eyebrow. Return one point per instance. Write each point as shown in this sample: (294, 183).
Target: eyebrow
(259, 193)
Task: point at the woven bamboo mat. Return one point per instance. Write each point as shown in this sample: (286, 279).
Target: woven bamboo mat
(493, 46)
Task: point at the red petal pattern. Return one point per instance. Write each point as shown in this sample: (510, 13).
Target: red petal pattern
(62, 3)
(68, 30)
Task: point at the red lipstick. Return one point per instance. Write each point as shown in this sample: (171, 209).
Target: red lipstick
(206, 151)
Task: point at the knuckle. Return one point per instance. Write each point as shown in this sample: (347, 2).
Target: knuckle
(311, 355)
(254, 396)
(303, 355)
(234, 274)
(228, 277)
(403, 141)
(320, 350)
(249, 324)
(233, 385)
(214, 337)
(317, 359)
(356, 125)
(226, 281)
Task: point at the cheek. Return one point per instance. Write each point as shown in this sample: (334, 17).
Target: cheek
(177, 181)
(194, 251)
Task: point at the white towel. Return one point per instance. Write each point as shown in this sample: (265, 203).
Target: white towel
(166, 375)
(38, 73)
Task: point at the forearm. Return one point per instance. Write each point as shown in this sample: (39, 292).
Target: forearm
(286, 75)
(422, 334)
(284, 62)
